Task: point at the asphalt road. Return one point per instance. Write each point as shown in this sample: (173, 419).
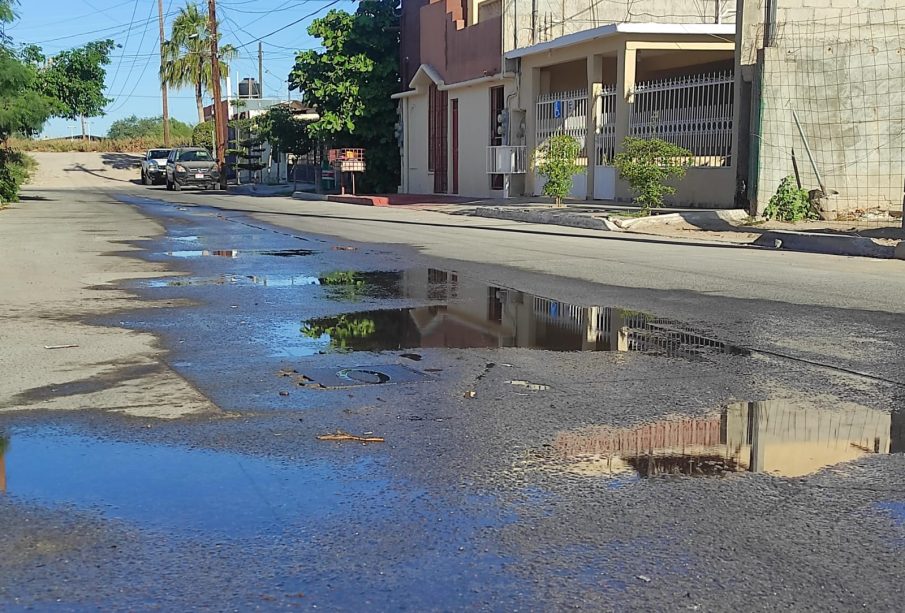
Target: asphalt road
(570, 420)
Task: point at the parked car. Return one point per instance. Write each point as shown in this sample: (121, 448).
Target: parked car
(191, 166)
(154, 166)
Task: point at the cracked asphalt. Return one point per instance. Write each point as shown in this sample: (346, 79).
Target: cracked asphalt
(618, 433)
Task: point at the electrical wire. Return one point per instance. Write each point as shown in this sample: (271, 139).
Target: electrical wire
(125, 44)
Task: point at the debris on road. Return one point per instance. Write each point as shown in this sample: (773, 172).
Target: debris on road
(60, 346)
(535, 387)
(345, 248)
(470, 394)
(340, 435)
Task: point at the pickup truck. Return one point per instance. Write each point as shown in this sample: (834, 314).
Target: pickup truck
(154, 166)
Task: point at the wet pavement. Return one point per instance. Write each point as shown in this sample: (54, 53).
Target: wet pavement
(537, 451)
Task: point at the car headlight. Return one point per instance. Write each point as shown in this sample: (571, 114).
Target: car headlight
(180, 168)
(152, 164)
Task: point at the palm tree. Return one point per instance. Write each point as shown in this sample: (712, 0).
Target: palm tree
(187, 55)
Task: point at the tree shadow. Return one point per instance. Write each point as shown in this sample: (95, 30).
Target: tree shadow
(97, 172)
(121, 161)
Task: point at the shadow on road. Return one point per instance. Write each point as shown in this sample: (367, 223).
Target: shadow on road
(121, 161)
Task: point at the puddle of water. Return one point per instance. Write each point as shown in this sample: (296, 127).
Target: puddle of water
(177, 489)
(235, 253)
(522, 321)
(476, 315)
(774, 437)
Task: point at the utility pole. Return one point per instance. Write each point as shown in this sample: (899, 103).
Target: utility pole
(261, 67)
(163, 85)
(219, 119)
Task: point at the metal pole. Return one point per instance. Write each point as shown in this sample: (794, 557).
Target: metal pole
(219, 119)
(163, 85)
(807, 149)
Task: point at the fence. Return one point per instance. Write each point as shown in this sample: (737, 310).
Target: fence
(507, 159)
(562, 113)
(694, 112)
(832, 112)
(605, 139)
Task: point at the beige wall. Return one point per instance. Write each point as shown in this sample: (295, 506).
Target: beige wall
(474, 137)
(838, 66)
(554, 19)
(419, 180)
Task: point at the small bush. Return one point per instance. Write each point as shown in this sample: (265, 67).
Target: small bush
(556, 161)
(790, 203)
(15, 169)
(203, 135)
(647, 164)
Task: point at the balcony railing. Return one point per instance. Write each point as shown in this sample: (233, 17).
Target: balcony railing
(507, 160)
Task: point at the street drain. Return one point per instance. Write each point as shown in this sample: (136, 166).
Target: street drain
(331, 378)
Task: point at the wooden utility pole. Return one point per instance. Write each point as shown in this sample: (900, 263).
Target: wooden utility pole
(261, 67)
(163, 85)
(219, 119)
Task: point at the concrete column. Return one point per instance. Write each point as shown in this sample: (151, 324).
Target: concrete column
(626, 64)
(595, 86)
(532, 91)
(406, 136)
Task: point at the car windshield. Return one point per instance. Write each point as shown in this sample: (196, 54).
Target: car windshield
(157, 154)
(194, 156)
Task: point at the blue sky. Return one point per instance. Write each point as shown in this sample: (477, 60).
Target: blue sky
(56, 25)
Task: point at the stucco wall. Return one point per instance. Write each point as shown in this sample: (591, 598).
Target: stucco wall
(474, 137)
(456, 51)
(528, 21)
(420, 181)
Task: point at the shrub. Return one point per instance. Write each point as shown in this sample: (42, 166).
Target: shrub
(105, 145)
(647, 164)
(556, 161)
(203, 135)
(15, 169)
(790, 203)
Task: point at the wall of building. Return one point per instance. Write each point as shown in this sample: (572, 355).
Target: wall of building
(456, 51)
(418, 179)
(474, 137)
(831, 89)
(528, 22)
(410, 40)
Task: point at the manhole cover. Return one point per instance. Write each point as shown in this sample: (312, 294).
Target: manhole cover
(364, 375)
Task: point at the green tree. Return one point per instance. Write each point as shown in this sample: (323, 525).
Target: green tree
(203, 135)
(285, 132)
(75, 78)
(350, 83)
(149, 128)
(647, 164)
(556, 161)
(23, 111)
(187, 55)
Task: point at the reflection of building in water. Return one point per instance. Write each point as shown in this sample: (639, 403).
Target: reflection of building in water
(508, 318)
(773, 437)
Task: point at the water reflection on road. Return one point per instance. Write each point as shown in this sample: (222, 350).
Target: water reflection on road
(782, 438)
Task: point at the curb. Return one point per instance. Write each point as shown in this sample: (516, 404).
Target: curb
(828, 244)
(698, 218)
(570, 220)
(309, 196)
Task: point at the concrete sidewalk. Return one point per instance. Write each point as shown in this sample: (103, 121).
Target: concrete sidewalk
(876, 239)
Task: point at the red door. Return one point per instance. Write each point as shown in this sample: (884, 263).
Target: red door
(455, 146)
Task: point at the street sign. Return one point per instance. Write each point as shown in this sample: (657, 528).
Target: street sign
(557, 109)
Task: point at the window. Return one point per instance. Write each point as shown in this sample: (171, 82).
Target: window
(156, 154)
(194, 156)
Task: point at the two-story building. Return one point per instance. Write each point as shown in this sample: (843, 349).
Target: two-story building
(489, 82)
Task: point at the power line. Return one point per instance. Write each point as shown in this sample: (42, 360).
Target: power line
(292, 23)
(128, 34)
